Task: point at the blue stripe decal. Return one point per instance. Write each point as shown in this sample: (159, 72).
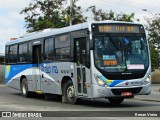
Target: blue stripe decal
(111, 83)
(115, 82)
(12, 70)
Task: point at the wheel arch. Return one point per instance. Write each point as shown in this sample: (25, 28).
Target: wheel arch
(65, 79)
(21, 78)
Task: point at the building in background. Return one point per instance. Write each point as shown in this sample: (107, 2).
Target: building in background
(2, 68)
(1, 58)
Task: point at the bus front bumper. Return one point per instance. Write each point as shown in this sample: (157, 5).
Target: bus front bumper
(99, 91)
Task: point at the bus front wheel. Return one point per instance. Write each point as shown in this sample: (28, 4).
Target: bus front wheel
(69, 93)
(116, 100)
(24, 88)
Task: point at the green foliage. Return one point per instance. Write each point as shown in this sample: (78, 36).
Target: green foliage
(99, 15)
(154, 56)
(42, 14)
(153, 29)
(154, 40)
(77, 16)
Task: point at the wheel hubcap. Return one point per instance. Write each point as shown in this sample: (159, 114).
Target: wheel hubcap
(70, 92)
(24, 89)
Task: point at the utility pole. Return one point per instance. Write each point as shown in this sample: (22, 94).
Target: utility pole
(71, 10)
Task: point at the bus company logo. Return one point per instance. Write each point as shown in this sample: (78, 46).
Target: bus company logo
(126, 83)
(55, 69)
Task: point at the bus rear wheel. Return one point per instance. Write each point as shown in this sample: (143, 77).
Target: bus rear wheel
(24, 88)
(116, 100)
(69, 93)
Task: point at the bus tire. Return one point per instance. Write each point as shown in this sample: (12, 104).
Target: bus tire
(69, 93)
(24, 88)
(116, 100)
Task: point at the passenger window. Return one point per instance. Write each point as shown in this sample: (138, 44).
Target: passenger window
(13, 54)
(62, 47)
(48, 50)
(23, 52)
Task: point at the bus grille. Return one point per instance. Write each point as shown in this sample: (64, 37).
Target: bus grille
(119, 91)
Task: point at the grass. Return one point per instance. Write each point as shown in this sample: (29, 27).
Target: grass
(156, 76)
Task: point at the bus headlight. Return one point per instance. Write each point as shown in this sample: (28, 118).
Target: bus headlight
(99, 80)
(148, 80)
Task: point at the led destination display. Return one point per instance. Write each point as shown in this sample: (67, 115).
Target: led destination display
(119, 28)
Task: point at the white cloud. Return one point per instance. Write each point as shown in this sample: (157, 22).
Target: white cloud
(11, 20)
(122, 5)
(8, 33)
(15, 5)
(12, 23)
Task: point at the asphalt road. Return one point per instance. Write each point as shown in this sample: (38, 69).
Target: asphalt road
(11, 100)
(154, 96)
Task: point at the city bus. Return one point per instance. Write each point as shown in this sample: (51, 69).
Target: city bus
(105, 59)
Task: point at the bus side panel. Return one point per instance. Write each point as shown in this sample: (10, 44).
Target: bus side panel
(13, 74)
(30, 81)
(88, 82)
(11, 77)
(53, 74)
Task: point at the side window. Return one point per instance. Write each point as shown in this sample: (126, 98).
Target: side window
(23, 52)
(6, 54)
(48, 49)
(62, 47)
(63, 53)
(13, 54)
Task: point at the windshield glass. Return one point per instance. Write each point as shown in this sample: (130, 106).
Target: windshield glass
(123, 53)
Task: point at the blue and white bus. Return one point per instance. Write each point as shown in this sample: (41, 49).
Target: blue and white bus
(106, 59)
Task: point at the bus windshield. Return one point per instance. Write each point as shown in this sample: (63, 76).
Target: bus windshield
(121, 53)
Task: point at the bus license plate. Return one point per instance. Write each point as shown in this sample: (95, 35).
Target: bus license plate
(126, 93)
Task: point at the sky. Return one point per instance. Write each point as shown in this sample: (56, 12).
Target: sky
(12, 24)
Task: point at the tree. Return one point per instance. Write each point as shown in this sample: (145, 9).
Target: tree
(154, 39)
(77, 16)
(153, 30)
(99, 15)
(42, 14)
(154, 56)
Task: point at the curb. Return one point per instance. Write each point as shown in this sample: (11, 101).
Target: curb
(2, 85)
(150, 100)
(157, 90)
(155, 84)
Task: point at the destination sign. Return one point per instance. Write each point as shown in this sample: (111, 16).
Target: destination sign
(118, 28)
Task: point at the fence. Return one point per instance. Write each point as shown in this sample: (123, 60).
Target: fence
(2, 74)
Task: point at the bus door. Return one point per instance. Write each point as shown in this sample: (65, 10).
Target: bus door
(80, 56)
(36, 71)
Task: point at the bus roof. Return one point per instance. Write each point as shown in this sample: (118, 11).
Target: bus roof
(55, 31)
